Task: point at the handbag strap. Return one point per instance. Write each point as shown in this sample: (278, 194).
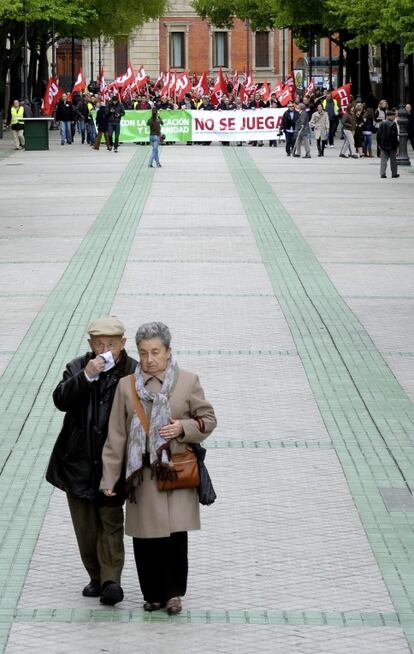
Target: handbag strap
(139, 409)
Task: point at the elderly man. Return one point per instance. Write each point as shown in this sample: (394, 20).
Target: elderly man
(85, 394)
(302, 131)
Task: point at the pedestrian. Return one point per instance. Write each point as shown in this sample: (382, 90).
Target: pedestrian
(65, 114)
(287, 125)
(367, 131)
(102, 125)
(302, 132)
(320, 124)
(17, 124)
(85, 394)
(179, 414)
(114, 113)
(154, 123)
(410, 126)
(359, 126)
(330, 105)
(348, 124)
(388, 141)
(380, 115)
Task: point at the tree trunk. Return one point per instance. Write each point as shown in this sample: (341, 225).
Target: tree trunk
(4, 65)
(43, 68)
(32, 73)
(352, 58)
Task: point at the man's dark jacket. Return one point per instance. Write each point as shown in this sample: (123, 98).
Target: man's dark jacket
(387, 135)
(287, 121)
(65, 111)
(75, 465)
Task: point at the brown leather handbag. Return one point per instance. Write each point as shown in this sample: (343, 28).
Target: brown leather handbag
(185, 463)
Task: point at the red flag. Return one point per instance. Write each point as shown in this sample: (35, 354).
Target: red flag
(310, 89)
(285, 95)
(183, 85)
(166, 85)
(202, 87)
(278, 89)
(264, 91)
(343, 96)
(140, 77)
(80, 84)
(53, 93)
(171, 86)
(195, 79)
(242, 94)
(219, 88)
(290, 82)
(250, 85)
(158, 81)
(127, 78)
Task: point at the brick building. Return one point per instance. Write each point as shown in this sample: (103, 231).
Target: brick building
(181, 40)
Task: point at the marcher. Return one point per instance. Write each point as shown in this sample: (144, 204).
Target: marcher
(302, 133)
(380, 115)
(65, 114)
(359, 126)
(330, 105)
(410, 127)
(179, 414)
(367, 131)
(114, 113)
(348, 124)
(388, 141)
(102, 125)
(17, 125)
(320, 124)
(85, 394)
(288, 123)
(154, 124)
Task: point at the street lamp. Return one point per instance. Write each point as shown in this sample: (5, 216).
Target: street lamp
(247, 24)
(359, 97)
(25, 66)
(402, 156)
(284, 54)
(330, 60)
(53, 49)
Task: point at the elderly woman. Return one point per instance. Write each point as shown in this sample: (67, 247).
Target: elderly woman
(320, 124)
(178, 413)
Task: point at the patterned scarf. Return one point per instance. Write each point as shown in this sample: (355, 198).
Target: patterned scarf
(158, 448)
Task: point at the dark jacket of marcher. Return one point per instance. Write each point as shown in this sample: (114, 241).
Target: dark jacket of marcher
(114, 112)
(65, 112)
(75, 465)
(102, 119)
(302, 124)
(289, 119)
(387, 135)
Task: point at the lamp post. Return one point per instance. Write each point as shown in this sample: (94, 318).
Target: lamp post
(92, 61)
(53, 49)
(402, 156)
(359, 98)
(247, 24)
(330, 60)
(25, 65)
(283, 54)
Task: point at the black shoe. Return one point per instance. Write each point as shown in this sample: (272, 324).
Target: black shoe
(297, 155)
(153, 606)
(383, 177)
(397, 175)
(112, 593)
(307, 156)
(93, 589)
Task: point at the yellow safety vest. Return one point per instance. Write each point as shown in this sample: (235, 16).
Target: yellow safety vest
(17, 115)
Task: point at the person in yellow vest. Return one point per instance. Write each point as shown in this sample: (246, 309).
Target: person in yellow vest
(17, 124)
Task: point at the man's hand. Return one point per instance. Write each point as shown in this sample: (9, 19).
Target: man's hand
(95, 367)
(108, 492)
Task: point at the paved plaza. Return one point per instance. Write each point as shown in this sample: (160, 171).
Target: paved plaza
(288, 286)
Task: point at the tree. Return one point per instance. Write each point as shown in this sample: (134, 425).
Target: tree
(87, 18)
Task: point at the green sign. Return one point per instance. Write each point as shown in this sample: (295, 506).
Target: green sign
(177, 126)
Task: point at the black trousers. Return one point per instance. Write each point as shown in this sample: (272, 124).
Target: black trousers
(162, 566)
(290, 141)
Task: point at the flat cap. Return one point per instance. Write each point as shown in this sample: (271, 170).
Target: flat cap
(106, 326)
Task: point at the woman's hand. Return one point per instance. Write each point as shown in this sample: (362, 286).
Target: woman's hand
(173, 430)
(108, 492)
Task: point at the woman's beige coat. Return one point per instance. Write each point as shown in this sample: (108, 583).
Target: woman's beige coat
(320, 124)
(157, 514)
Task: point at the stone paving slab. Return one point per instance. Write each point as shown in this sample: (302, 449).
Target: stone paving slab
(379, 317)
(367, 250)
(332, 541)
(179, 246)
(41, 249)
(373, 280)
(223, 639)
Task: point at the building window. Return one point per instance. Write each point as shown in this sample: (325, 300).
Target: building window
(121, 54)
(177, 50)
(262, 49)
(221, 50)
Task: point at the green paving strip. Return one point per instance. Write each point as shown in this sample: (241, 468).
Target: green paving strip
(368, 415)
(248, 616)
(29, 424)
